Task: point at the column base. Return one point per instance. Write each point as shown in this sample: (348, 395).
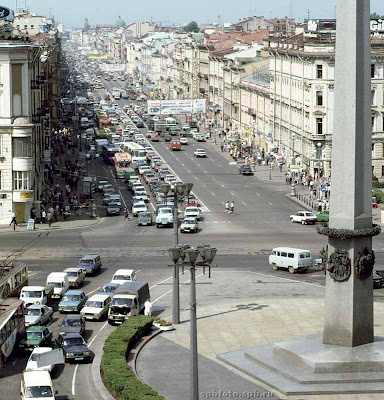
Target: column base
(307, 366)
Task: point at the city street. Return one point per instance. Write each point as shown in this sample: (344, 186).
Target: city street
(243, 240)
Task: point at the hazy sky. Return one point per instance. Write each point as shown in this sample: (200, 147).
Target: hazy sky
(178, 11)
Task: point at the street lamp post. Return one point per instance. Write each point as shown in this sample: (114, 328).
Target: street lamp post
(207, 254)
(270, 170)
(319, 147)
(180, 189)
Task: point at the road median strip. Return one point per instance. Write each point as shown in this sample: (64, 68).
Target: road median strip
(120, 380)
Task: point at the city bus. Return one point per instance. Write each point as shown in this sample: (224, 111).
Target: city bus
(12, 326)
(14, 277)
(108, 152)
(122, 162)
(136, 151)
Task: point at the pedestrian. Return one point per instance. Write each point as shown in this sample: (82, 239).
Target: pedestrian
(148, 307)
(227, 206)
(49, 217)
(231, 207)
(126, 214)
(222, 147)
(13, 220)
(43, 217)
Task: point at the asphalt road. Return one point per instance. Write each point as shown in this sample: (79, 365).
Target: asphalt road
(243, 240)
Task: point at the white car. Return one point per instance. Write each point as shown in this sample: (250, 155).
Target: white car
(124, 275)
(96, 307)
(32, 361)
(138, 188)
(144, 168)
(200, 153)
(142, 196)
(192, 211)
(138, 208)
(304, 217)
(183, 140)
(38, 314)
(189, 224)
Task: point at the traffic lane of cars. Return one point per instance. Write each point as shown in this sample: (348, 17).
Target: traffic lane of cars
(249, 194)
(64, 377)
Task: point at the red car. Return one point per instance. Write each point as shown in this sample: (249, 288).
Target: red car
(155, 138)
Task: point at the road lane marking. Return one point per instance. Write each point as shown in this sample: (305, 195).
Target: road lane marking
(205, 185)
(198, 165)
(213, 194)
(205, 171)
(246, 186)
(169, 291)
(270, 204)
(77, 366)
(189, 171)
(213, 178)
(258, 194)
(196, 177)
(222, 185)
(182, 164)
(232, 194)
(243, 203)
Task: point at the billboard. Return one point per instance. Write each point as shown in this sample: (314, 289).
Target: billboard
(177, 107)
(4, 12)
(377, 28)
(97, 56)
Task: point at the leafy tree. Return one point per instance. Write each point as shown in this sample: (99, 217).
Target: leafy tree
(192, 27)
(375, 15)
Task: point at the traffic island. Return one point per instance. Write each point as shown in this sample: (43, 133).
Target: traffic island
(119, 379)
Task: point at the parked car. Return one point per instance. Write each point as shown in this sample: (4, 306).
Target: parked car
(38, 314)
(74, 347)
(189, 224)
(200, 153)
(144, 218)
(245, 170)
(36, 336)
(72, 323)
(304, 217)
(76, 276)
(73, 301)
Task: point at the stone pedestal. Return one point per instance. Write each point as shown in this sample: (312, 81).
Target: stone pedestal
(307, 366)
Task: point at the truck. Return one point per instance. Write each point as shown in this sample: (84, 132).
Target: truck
(59, 282)
(36, 295)
(128, 301)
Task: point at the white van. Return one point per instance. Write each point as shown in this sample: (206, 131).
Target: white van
(37, 385)
(60, 283)
(291, 259)
(124, 275)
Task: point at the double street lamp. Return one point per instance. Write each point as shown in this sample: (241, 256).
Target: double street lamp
(179, 191)
(207, 255)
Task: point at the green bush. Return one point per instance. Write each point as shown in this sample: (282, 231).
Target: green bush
(379, 196)
(377, 185)
(117, 376)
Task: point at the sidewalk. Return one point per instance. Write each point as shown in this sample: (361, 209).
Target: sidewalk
(80, 222)
(235, 323)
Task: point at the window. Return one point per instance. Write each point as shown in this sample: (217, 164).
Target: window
(22, 147)
(319, 126)
(319, 71)
(22, 180)
(291, 255)
(373, 70)
(373, 123)
(382, 172)
(319, 98)
(0, 181)
(283, 254)
(373, 97)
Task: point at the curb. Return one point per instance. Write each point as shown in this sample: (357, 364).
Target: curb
(101, 390)
(297, 201)
(135, 351)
